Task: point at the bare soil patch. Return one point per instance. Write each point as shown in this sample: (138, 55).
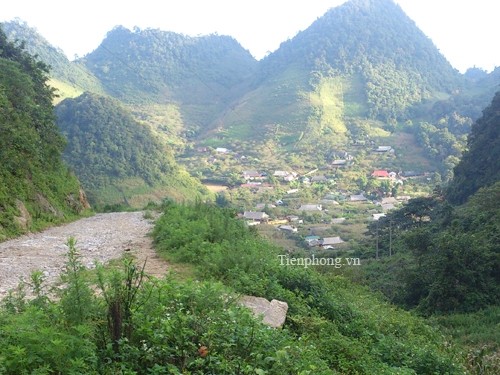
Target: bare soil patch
(100, 238)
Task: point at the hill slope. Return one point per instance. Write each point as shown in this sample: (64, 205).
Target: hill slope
(36, 186)
(201, 74)
(362, 60)
(69, 78)
(480, 164)
(118, 159)
(363, 71)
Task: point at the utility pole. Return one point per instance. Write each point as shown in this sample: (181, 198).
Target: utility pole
(390, 238)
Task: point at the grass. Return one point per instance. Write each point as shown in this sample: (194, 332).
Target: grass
(215, 188)
(135, 193)
(353, 95)
(479, 334)
(474, 329)
(64, 90)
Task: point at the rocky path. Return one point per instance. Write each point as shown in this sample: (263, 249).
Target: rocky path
(99, 238)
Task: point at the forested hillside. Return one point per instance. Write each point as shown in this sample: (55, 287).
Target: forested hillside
(398, 64)
(36, 187)
(447, 246)
(362, 72)
(203, 75)
(480, 164)
(69, 78)
(118, 159)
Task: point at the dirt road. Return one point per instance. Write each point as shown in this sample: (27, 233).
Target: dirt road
(99, 238)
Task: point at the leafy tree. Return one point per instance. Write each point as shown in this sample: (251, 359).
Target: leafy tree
(479, 166)
(33, 176)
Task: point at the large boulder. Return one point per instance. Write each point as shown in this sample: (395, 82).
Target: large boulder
(273, 313)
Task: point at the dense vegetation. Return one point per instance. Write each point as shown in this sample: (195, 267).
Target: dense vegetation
(107, 148)
(400, 66)
(364, 62)
(348, 329)
(36, 187)
(202, 74)
(137, 325)
(479, 166)
(447, 253)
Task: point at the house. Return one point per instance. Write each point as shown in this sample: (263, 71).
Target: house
(330, 242)
(388, 200)
(339, 163)
(312, 240)
(288, 228)
(294, 219)
(252, 175)
(380, 173)
(285, 175)
(221, 150)
(320, 178)
(311, 207)
(280, 173)
(257, 216)
(357, 198)
(377, 216)
(383, 149)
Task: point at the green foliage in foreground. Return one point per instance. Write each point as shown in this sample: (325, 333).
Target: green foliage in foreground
(136, 325)
(356, 332)
(446, 258)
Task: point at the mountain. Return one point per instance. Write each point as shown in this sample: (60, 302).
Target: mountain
(361, 72)
(118, 159)
(69, 78)
(36, 187)
(200, 74)
(364, 59)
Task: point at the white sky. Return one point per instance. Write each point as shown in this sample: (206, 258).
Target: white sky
(465, 31)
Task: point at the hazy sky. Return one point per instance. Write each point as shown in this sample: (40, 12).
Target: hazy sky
(465, 31)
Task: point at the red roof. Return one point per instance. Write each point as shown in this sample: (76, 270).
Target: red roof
(380, 173)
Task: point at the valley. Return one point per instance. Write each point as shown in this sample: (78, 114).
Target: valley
(356, 140)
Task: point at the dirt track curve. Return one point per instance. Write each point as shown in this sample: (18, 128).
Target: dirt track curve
(101, 238)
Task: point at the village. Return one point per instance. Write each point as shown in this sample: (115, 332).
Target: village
(321, 209)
